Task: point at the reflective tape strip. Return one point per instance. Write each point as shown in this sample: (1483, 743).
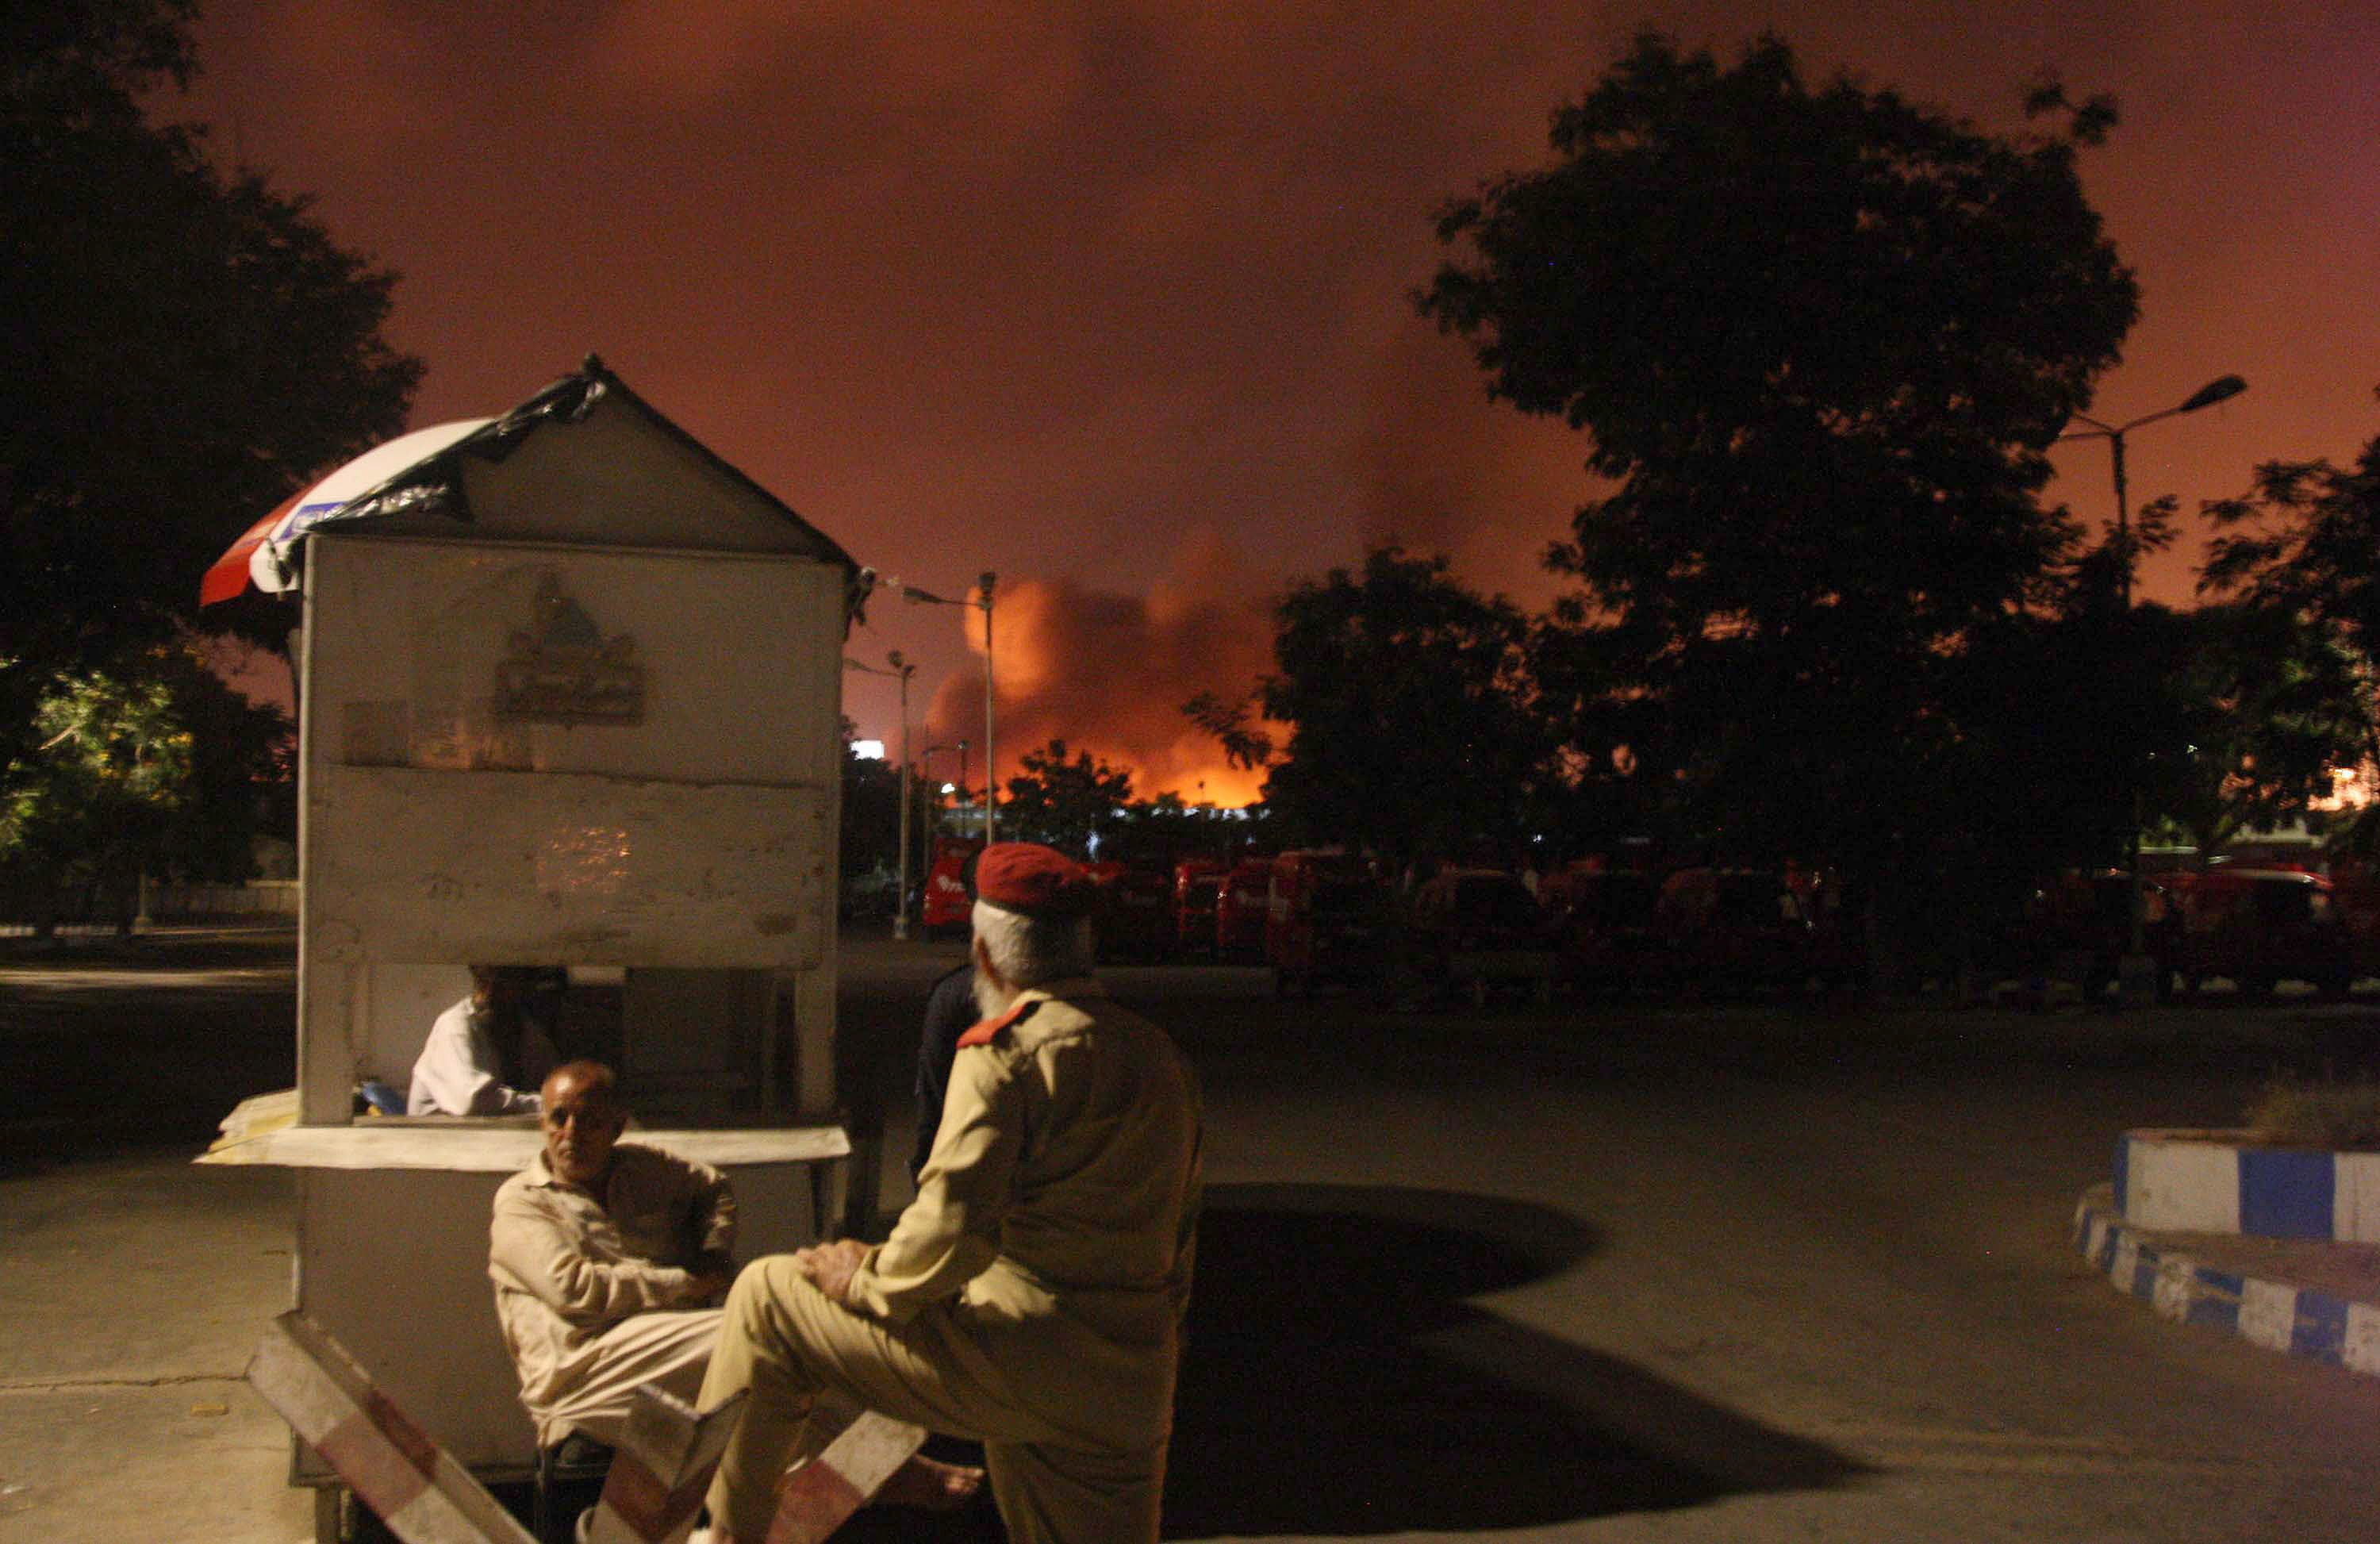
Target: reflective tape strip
(821, 1496)
(416, 1487)
(663, 1465)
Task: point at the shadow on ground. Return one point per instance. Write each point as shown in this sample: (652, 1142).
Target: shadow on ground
(1339, 1380)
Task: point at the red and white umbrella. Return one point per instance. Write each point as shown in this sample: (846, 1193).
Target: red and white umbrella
(262, 555)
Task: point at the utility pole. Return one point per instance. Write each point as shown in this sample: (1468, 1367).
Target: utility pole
(2136, 983)
(990, 794)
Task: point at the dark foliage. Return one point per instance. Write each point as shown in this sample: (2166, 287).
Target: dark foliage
(1819, 340)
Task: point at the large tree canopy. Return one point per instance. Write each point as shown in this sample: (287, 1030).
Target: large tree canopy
(1414, 725)
(178, 349)
(1819, 340)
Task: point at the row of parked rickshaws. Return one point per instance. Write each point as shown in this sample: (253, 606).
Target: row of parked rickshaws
(1326, 918)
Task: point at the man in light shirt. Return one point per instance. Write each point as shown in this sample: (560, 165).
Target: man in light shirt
(610, 1259)
(487, 1055)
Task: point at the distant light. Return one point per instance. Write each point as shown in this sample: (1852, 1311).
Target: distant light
(868, 750)
(950, 787)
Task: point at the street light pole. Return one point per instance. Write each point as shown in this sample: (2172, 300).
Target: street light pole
(990, 785)
(901, 909)
(2136, 973)
(983, 583)
(902, 670)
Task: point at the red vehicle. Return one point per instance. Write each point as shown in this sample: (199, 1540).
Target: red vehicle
(1134, 914)
(2260, 927)
(1604, 919)
(2078, 928)
(1198, 887)
(1326, 921)
(945, 909)
(1479, 930)
(1744, 930)
(1241, 909)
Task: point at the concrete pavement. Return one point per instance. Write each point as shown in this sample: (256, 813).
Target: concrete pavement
(1880, 1349)
(134, 1288)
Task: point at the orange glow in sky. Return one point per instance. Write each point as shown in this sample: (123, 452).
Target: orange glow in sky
(1112, 299)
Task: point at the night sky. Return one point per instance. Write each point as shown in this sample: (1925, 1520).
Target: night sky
(1110, 299)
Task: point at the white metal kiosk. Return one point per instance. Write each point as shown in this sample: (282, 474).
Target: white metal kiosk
(571, 693)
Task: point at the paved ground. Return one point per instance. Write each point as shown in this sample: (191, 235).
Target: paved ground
(1727, 1274)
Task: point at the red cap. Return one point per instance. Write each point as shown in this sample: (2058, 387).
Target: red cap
(1034, 880)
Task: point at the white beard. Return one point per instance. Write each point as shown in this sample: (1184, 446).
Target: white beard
(992, 997)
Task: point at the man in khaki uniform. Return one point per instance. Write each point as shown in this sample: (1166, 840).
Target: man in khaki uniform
(610, 1259)
(1031, 1297)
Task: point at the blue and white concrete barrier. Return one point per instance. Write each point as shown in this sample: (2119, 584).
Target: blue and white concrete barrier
(2219, 1182)
(2295, 1319)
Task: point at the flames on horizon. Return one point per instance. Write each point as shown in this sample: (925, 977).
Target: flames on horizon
(1108, 673)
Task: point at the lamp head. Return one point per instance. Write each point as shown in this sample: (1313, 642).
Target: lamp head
(2220, 390)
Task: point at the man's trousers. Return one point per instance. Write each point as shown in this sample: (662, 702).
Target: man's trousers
(589, 1392)
(785, 1341)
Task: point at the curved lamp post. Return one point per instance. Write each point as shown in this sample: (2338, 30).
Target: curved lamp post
(982, 601)
(2136, 982)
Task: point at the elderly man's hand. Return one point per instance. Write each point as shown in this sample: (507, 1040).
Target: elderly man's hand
(829, 1267)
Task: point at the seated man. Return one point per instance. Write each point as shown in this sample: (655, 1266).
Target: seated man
(610, 1258)
(1031, 1297)
(486, 1052)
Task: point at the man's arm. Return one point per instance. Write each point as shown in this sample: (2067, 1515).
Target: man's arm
(457, 1076)
(530, 1249)
(952, 1231)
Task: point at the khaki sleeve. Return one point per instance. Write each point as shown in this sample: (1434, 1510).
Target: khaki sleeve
(530, 1249)
(952, 1231)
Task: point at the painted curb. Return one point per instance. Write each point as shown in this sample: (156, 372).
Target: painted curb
(2205, 1182)
(2299, 1320)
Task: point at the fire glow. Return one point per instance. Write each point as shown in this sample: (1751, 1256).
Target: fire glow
(1108, 673)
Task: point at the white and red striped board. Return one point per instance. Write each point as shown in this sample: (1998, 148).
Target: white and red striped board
(821, 1496)
(660, 1470)
(413, 1485)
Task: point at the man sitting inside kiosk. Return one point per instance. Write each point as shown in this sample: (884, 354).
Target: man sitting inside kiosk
(486, 1053)
(610, 1258)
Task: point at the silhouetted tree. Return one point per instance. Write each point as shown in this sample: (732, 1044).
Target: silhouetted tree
(1232, 723)
(1820, 340)
(2305, 539)
(2262, 708)
(1063, 802)
(178, 350)
(179, 347)
(1414, 724)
